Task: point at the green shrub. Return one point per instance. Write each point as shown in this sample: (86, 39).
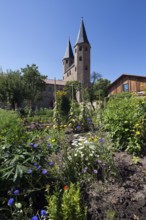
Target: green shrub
(11, 127)
(67, 205)
(124, 117)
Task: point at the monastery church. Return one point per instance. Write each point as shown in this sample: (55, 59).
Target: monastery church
(76, 67)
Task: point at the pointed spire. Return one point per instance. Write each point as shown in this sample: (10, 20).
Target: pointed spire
(82, 36)
(68, 52)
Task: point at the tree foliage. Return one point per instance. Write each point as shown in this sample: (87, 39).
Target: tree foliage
(72, 87)
(11, 88)
(98, 88)
(17, 86)
(34, 83)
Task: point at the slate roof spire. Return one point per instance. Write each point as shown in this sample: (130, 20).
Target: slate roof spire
(82, 36)
(68, 52)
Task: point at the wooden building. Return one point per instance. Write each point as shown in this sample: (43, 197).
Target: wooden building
(128, 83)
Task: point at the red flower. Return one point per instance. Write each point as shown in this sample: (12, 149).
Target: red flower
(65, 187)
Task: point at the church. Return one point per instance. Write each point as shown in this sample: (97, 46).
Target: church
(76, 67)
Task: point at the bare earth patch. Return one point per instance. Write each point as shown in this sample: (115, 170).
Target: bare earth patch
(123, 197)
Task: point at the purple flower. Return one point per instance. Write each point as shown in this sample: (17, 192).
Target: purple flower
(43, 212)
(88, 119)
(95, 171)
(101, 140)
(34, 218)
(44, 171)
(51, 163)
(16, 192)
(99, 161)
(85, 170)
(10, 201)
(29, 171)
(38, 167)
(78, 127)
(31, 144)
(35, 145)
(49, 145)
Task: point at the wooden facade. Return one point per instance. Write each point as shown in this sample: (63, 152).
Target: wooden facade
(128, 83)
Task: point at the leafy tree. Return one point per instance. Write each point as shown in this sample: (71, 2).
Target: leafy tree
(72, 87)
(98, 88)
(101, 88)
(90, 92)
(11, 88)
(95, 76)
(34, 83)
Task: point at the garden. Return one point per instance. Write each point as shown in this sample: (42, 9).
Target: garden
(74, 162)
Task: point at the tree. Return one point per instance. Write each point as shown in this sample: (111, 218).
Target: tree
(72, 87)
(12, 88)
(90, 93)
(98, 88)
(34, 83)
(101, 88)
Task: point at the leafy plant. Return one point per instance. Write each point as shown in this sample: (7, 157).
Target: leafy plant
(66, 205)
(124, 117)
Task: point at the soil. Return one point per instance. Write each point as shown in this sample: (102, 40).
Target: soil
(123, 197)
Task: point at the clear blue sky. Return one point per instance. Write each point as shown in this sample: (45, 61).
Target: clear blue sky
(37, 31)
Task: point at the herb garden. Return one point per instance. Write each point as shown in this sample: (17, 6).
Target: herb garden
(74, 162)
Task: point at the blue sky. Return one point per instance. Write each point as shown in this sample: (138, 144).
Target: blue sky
(37, 31)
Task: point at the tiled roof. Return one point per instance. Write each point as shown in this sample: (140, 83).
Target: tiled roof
(82, 36)
(128, 75)
(69, 52)
(53, 81)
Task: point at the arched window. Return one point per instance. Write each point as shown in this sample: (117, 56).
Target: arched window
(80, 58)
(80, 48)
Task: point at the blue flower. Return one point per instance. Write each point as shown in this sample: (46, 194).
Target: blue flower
(29, 171)
(78, 127)
(34, 218)
(51, 163)
(10, 201)
(35, 145)
(38, 167)
(44, 171)
(88, 119)
(35, 164)
(16, 192)
(31, 144)
(49, 145)
(101, 140)
(43, 212)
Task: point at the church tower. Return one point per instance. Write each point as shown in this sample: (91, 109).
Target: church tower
(82, 57)
(76, 67)
(68, 59)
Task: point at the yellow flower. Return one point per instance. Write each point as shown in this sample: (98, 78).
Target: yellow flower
(137, 132)
(53, 140)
